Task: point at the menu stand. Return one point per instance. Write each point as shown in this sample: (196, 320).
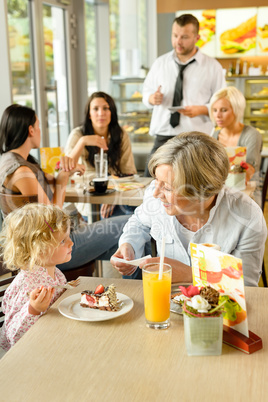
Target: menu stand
(239, 341)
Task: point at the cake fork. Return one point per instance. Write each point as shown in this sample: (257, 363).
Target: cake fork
(69, 285)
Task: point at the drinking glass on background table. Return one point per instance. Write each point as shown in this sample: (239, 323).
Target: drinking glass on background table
(100, 182)
(101, 171)
(157, 293)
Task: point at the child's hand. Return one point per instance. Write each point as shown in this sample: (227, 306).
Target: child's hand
(40, 299)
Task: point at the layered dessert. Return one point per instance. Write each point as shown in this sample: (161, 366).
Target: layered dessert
(236, 177)
(102, 298)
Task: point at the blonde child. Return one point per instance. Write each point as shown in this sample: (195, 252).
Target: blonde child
(34, 239)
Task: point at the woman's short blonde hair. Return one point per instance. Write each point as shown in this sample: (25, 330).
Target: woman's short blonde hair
(236, 99)
(28, 234)
(200, 164)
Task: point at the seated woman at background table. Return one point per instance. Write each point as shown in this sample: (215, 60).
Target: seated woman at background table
(226, 110)
(21, 174)
(188, 202)
(101, 130)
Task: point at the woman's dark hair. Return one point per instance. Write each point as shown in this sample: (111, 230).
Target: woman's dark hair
(14, 128)
(114, 129)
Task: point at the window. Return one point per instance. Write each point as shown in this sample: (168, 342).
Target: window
(90, 24)
(21, 55)
(128, 36)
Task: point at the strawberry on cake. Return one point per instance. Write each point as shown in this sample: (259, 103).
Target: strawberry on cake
(102, 298)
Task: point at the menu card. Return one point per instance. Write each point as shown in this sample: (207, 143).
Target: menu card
(224, 273)
(236, 155)
(49, 158)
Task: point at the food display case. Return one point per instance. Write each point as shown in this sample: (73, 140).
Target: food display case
(255, 90)
(133, 116)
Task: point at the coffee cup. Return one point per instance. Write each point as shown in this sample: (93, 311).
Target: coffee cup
(212, 245)
(100, 184)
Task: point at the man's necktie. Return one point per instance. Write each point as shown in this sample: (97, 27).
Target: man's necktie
(175, 117)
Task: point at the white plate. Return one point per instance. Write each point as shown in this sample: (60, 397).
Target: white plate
(175, 307)
(123, 179)
(70, 308)
(175, 108)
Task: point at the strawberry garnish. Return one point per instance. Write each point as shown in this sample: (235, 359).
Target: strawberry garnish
(99, 289)
(91, 300)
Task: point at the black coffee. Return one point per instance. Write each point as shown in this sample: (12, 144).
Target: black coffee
(100, 185)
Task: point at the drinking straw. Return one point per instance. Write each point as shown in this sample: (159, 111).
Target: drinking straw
(162, 254)
(101, 161)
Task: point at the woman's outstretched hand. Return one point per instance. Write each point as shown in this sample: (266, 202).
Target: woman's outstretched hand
(68, 164)
(126, 252)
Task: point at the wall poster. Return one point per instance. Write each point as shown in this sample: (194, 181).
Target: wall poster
(233, 32)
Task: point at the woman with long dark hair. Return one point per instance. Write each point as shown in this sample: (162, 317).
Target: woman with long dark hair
(20, 173)
(102, 130)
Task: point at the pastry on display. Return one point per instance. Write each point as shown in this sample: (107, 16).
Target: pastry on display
(142, 130)
(136, 94)
(128, 128)
(263, 92)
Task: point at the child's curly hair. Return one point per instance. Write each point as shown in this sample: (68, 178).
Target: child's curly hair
(28, 234)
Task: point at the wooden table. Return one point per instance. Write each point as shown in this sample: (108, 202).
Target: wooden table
(60, 359)
(75, 193)
(130, 197)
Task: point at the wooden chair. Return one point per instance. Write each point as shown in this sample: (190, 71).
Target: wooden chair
(9, 202)
(4, 283)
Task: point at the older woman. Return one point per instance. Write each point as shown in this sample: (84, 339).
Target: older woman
(187, 202)
(226, 112)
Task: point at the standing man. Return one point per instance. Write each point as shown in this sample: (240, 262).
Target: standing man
(183, 77)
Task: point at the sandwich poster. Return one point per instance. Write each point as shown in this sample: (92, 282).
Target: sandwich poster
(207, 27)
(224, 273)
(236, 32)
(262, 31)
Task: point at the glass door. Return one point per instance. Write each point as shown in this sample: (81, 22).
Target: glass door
(21, 53)
(56, 83)
(38, 55)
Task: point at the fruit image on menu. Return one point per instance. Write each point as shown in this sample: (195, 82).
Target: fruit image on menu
(224, 273)
(50, 157)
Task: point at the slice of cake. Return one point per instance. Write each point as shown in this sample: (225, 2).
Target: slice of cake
(102, 298)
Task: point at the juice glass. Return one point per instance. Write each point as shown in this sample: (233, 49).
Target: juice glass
(156, 294)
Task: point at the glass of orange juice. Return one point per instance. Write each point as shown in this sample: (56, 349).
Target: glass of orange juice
(156, 294)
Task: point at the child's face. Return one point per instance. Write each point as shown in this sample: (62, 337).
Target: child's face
(63, 252)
